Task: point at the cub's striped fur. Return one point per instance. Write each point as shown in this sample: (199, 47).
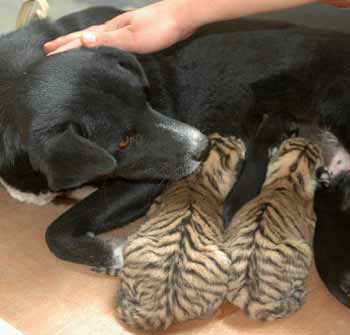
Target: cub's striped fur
(174, 266)
(270, 238)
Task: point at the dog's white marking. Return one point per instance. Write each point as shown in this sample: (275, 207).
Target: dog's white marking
(272, 151)
(118, 256)
(40, 199)
(118, 245)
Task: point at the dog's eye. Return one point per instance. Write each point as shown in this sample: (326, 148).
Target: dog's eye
(125, 142)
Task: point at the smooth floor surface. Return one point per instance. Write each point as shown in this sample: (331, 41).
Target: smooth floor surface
(41, 295)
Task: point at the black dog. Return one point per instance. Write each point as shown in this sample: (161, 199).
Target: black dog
(273, 130)
(331, 243)
(63, 127)
(86, 115)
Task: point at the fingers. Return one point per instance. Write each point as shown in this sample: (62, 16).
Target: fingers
(120, 21)
(71, 45)
(122, 38)
(63, 41)
(59, 42)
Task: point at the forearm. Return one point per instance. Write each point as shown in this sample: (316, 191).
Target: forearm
(196, 13)
(164, 23)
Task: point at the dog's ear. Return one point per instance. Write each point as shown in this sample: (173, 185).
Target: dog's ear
(69, 160)
(127, 61)
(131, 63)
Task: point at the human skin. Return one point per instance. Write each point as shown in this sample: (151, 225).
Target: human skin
(138, 30)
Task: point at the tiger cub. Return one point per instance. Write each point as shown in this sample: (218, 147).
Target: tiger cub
(270, 238)
(174, 266)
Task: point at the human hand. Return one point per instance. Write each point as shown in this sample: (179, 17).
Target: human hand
(338, 3)
(143, 30)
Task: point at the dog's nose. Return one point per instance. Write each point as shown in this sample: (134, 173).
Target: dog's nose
(203, 149)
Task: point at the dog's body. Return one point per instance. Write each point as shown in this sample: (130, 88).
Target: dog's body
(63, 117)
(331, 243)
(272, 131)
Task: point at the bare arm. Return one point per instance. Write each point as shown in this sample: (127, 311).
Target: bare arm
(207, 11)
(164, 23)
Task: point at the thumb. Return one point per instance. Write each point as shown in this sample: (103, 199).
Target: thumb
(122, 38)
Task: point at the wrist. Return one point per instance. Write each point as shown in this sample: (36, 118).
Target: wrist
(185, 18)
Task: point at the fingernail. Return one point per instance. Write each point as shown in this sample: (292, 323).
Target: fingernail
(46, 47)
(89, 37)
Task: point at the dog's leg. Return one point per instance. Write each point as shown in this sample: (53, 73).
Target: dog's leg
(331, 241)
(72, 236)
(118, 256)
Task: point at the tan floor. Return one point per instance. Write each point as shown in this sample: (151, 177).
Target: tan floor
(41, 295)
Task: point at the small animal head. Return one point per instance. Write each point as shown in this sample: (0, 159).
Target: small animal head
(297, 160)
(223, 164)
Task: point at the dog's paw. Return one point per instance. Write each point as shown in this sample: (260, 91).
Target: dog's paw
(109, 271)
(115, 259)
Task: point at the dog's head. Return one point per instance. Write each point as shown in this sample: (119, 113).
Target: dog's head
(87, 115)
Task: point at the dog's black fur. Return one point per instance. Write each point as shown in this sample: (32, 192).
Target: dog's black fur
(62, 117)
(331, 243)
(65, 115)
(273, 130)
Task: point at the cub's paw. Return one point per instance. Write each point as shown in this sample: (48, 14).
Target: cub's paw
(116, 258)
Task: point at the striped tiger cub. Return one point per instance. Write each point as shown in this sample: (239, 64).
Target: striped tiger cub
(174, 266)
(270, 238)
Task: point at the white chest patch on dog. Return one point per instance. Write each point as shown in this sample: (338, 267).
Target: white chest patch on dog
(40, 199)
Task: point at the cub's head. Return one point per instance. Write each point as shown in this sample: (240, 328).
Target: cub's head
(221, 168)
(298, 161)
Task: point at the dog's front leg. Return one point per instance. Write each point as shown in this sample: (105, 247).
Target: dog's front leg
(72, 236)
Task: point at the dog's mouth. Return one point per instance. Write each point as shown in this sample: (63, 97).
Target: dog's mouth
(159, 171)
